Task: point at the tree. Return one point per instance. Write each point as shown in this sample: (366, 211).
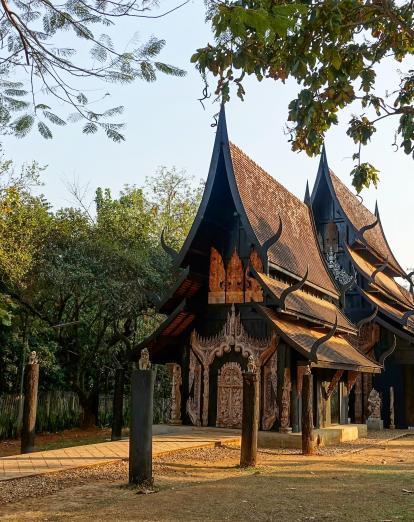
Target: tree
(88, 282)
(331, 49)
(30, 34)
(175, 199)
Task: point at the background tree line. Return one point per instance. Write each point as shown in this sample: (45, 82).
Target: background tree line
(79, 284)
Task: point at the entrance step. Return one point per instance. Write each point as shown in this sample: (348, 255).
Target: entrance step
(323, 436)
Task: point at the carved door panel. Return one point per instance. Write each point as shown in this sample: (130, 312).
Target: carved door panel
(229, 396)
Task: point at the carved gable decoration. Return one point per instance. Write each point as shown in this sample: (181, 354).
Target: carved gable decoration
(234, 280)
(233, 285)
(253, 291)
(217, 278)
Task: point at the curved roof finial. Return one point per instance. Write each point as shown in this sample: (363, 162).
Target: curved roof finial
(167, 249)
(318, 343)
(387, 352)
(292, 288)
(368, 318)
(377, 271)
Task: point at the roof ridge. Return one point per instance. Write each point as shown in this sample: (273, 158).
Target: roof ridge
(274, 180)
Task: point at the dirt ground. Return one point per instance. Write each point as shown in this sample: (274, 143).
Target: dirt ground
(62, 439)
(376, 484)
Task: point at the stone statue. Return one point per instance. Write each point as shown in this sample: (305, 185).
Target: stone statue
(144, 361)
(374, 405)
(251, 364)
(176, 394)
(33, 358)
(374, 421)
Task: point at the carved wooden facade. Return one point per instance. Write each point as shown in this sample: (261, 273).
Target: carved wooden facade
(232, 338)
(233, 284)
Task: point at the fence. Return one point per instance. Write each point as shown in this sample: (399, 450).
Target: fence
(59, 410)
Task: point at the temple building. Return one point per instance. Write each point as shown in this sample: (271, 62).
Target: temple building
(360, 259)
(254, 280)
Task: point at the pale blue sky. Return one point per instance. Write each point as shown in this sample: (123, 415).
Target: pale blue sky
(167, 126)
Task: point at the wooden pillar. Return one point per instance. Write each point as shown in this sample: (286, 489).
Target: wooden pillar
(31, 383)
(250, 419)
(118, 404)
(320, 407)
(294, 408)
(307, 414)
(343, 403)
(358, 410)
(206, 393)
(140, 438)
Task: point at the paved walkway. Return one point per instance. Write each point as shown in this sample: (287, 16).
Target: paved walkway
(165, 440)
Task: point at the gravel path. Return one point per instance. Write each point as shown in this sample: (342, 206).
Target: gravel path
(38, 486)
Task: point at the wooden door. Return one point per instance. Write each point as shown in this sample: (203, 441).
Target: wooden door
(229, 396)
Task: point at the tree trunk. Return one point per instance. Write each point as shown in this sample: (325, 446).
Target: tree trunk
(307, 415)
(118, 404)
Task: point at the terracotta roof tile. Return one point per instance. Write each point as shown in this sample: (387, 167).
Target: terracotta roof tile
(360, 216)
(264, 200)
(308, 305)
(337, 352)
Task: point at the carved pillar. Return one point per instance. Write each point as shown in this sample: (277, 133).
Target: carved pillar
(366, 390)
(343, 403)
(285, 403)
(206, 386)
(175, 372)
(358, 400)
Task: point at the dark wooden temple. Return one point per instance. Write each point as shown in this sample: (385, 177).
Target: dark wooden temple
(353, 242)
(253, 281)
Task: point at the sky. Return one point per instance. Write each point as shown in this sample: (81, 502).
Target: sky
(167, 125)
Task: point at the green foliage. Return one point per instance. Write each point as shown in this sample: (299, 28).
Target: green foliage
(30, 46)
(80, 288)
(331, 49)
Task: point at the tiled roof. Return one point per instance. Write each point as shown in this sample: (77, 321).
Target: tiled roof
(360, 216)
(308, 305)
(264, 200)
(384, 282)
(337, 352)
(388, 309)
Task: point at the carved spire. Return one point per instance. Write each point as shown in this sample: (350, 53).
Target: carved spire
(376, 211)
(307, 198)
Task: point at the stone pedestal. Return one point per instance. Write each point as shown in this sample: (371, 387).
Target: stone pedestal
(375, 424)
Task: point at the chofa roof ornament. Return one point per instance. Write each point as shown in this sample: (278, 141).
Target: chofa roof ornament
(317, 344)
(368, 318)
(170, 251)
(378, 270)
(270, 242)
(360, 233)
(387, 352)
(291, 289)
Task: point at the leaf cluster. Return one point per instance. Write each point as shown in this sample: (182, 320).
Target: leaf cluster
(331, 49)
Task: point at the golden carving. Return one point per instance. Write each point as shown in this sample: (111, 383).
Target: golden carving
(229, 396)
(234, 280)
(217, 278)
(253, 291)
